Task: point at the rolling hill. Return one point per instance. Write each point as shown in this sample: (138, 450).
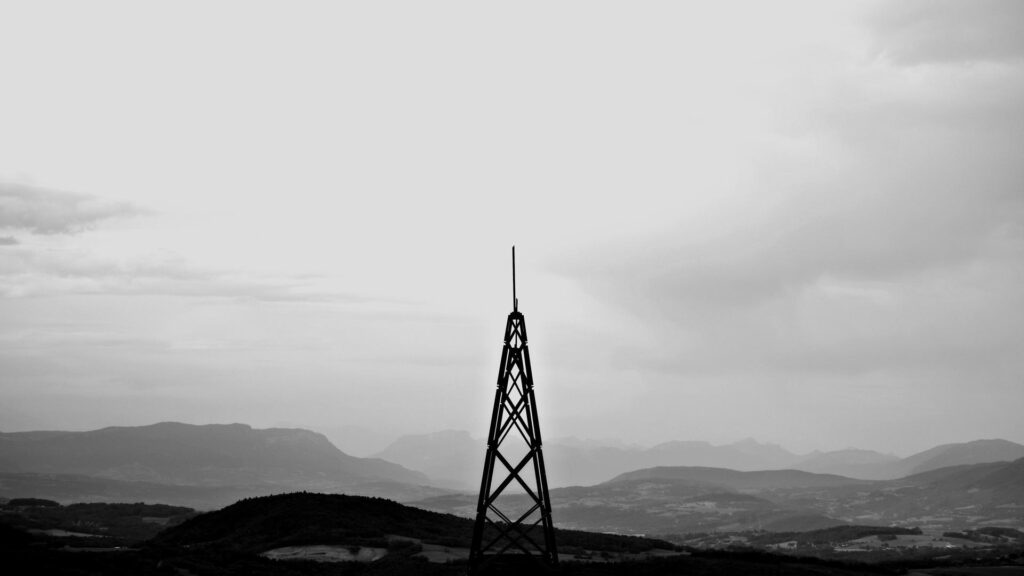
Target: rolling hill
(211, 465)
(738, 480)
(664, 500)
(266, 536)
(258, 525)
(976, 452)
(675, 500)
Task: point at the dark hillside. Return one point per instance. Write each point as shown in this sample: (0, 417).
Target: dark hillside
(996, 482)
(258, 524)
(1008, 478)
(99, 524)
(227, 542)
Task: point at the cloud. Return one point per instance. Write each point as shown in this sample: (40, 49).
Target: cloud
(885, 172)
(44, 211)
(26, 272)
(891, 215)
(889, 239)
(949, 31)
(58, 266)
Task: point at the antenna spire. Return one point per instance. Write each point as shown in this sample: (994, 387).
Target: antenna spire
(515, 301)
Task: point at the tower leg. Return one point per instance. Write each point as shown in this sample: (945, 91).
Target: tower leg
(502, 534)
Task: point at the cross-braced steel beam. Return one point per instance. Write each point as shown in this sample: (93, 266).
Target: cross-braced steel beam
(499, 532)
(514, 410)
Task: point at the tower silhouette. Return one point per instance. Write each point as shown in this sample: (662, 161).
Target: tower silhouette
(506, 527)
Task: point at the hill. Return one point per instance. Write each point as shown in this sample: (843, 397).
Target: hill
(958, 497)
(245, 537)
(976, 452)
(258, 525)
(93, 524)
(874, 466)
(739, 480)
(232, 459)
(677, 500)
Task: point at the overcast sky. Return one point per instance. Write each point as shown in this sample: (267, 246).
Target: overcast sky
(801, 222)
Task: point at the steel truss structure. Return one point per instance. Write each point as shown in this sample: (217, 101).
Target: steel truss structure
(523, 532)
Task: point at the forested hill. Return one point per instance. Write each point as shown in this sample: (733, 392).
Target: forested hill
(259, 524)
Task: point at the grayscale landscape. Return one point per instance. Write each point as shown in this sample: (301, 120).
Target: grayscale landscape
(256, 259)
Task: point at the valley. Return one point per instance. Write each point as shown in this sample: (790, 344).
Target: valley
(209, 467)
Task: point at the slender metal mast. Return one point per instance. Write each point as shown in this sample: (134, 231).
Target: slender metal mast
(499, 533)
(515, 301)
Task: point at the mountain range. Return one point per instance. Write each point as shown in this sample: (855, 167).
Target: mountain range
(696, 485)
(686, 499)
(454, 458)
(202, 466)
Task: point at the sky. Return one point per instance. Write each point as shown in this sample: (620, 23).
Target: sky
(796, 221)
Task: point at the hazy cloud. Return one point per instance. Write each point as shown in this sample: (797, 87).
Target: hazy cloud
(923, 31)
(26, 272)
(892, 241)
(45, 211)
(779, 220)
(926, 213)
(61, 267)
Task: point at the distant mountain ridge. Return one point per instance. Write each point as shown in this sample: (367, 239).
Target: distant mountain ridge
(212, 456)
(874, 466)
(211, 465)
(456, 457)
(851, 462)
(451, 466)
(176, 453)
(738, 480)
(682, 499)
(976, 452)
